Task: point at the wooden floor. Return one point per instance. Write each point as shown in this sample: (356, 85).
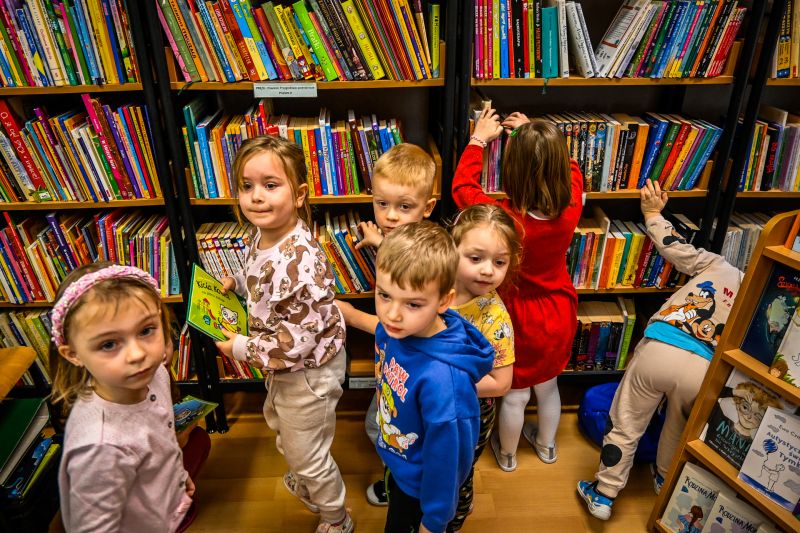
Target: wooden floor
(241, 487)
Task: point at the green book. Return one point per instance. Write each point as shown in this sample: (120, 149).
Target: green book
(58, 38)
(21, 420)
(619, 226)
(189, 411)
(87, 77)
(629, 311)
(210, 311)
(666, 147)
(316, 43)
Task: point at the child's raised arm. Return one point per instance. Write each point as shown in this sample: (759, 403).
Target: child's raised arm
(467, 188)
(357, 318)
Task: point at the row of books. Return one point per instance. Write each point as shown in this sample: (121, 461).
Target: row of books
(787, 52)
(37, 253)
(741, 237)
(773, 160)
(96, 154)
(28, 328)
(603, 336)
(47, 43)
(339, 154)
(323, 40)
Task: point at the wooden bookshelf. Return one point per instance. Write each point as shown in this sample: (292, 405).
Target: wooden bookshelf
(14, 362)
(786, 82)
(625, 194)
(627, 290)
(70, 89)
(247, 86)
(768, 251)
(171, 299)
(577, 81)
(58, 206)
(768, 195)
(356, 295)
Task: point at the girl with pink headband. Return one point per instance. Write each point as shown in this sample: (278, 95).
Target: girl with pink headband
(122, 468)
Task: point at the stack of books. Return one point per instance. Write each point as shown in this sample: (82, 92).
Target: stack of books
(741, 237)
(92, 155)
(37, 253)
(787, 53)
(773, 160)
(46, 43)
(340, 154)
(322, 40)
(603, 337)
(647, 38)
(32, 329)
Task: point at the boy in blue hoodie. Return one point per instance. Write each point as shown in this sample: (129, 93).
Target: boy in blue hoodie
(427, 362)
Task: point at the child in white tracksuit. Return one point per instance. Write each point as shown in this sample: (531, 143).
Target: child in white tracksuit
(671, 360)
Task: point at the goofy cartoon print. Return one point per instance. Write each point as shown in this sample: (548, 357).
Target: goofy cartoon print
(694, 315)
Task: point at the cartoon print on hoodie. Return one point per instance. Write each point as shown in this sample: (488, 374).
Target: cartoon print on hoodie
(694, 315)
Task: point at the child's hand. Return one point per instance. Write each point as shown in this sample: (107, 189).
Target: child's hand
(226, 347)
(488, 127)
(228, 284)
(372, 235)
(347, 310)
(189, 487)
(515, 120)
(653, 199)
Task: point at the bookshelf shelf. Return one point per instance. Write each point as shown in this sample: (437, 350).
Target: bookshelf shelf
(626, 290)
(756, 369)
(313, 200)
(171, 299)
(356, 295)
(768, 195)
(577, 81)
(790, 82)
(48, 206)
(14, 362)
(70, 89)
(625, 194)
(783, 255)
(719, 466)
(247, 86)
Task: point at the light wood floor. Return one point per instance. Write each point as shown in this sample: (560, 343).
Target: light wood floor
(241, 487)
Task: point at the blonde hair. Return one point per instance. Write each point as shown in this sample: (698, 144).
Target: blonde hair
(290, 155)
(536, 172)
(71, 381)
(415, 254)
(496, 218)
(408, 165)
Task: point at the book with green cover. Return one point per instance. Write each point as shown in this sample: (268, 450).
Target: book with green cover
(189, 411)
(210, 311)
(21, 420)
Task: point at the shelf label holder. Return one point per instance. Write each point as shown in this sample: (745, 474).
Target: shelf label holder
(285, 90)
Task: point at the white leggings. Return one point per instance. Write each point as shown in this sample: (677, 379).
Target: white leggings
(512, 415)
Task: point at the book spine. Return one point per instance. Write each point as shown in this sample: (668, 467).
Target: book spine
(363, 41)
(316, 42)
(249, 41)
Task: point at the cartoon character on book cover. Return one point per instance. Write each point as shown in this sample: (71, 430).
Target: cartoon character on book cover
(226, 320)
(692, 500)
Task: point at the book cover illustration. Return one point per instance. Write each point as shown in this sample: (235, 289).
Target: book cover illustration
(190, 411)
(730, 515)
(692, 500)
(771, 318)
(210, 311)
(786, 365)
(736, 416)
(772, 465)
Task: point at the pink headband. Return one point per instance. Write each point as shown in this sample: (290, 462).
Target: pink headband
(79, 287)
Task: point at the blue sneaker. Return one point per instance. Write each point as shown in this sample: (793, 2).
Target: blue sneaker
(658, 479)
(599, 506)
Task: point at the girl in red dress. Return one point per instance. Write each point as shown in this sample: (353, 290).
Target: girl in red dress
(545, 192)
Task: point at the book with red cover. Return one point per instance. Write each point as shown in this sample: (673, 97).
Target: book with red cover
(11, 125)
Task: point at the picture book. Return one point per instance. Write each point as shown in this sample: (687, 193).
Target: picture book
(772, 315)
(793, 240)
(210, 311)
(736, 416)
(729, 515)
(772, 465)
(692, 500)
(190, 411)
(786, 365)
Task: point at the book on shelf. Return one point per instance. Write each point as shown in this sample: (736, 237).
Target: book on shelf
(732, 515)
(315, 40)
(772, 465)
(787, 52)
(39, 457)
(692, 499)
(786, 365)
(21, 421)
(646, 38)
(353, 270)
(779, 299)
(741, 237)
(793, 239)
(773, 158)
(28, 328)
(212, 312)
(737, 415)
(182, 366)
(46, 43)
(603, 337)
(339, 154)
(189, 411)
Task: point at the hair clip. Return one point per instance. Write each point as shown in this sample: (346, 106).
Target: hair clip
(514, 132)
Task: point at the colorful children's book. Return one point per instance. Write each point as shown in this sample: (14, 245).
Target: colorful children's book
(771, 465)
(190, 411)
(210, 311)
(729, 515)
(786, 365)
(692, 500)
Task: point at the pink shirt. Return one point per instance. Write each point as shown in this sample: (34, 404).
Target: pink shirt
(122, 468)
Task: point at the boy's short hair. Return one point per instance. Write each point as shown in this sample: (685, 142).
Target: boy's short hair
(415, 254)
(409, 165)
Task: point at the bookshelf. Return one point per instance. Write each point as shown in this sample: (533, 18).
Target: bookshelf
(729, 355)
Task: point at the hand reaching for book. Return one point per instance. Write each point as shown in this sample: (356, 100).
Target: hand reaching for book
(515, 120)
(653, 199)
(487, 128)
(372, 235)
(228, 284)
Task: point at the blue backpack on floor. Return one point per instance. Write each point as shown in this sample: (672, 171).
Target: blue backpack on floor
(593, 415)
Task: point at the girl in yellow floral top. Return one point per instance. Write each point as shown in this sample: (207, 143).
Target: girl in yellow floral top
(488, 247)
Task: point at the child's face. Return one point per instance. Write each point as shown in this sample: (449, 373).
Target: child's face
(396, 204)
(409, 312)
(121, 347)
(266, 197)
(483, 261)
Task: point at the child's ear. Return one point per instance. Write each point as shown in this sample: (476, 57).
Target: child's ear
(68, 354)
(445, 301)
(302, 192)
(429, 205)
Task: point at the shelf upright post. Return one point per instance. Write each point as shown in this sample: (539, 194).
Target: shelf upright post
(462, 78)
(447, 113)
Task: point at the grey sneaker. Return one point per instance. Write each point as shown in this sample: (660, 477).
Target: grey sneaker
(546, 453)
(292, 484)
(345, 526)
(506, 461)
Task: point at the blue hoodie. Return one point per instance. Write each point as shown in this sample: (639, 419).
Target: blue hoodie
(428, 412)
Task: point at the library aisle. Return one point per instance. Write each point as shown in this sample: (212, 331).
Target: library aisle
(241, 489)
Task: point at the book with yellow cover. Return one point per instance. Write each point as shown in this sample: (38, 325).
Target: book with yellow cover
(210, 311)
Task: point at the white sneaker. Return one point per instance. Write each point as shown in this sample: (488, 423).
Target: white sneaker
(506, 461)
(546, 453)
(345, 526)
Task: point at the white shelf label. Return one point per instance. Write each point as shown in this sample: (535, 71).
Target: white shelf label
(358, 382)
(301, 89)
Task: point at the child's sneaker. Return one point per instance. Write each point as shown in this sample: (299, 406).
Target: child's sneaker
(345, 526)
(546, 453)
(376, 494)
(292, 484)
(658, 479)
(599, 505)
(506, 461)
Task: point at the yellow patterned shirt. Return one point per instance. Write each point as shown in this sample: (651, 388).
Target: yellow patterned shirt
(489, 315)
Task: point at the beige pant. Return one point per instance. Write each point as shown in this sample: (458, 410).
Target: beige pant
(301, 408)
(657, 370)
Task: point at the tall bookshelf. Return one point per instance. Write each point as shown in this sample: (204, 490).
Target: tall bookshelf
(717, 99)
(424, 107)
(770, 251)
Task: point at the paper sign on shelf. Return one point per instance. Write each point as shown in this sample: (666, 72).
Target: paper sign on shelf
(285, 90)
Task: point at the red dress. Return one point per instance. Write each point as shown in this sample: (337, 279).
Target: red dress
(542, 301)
